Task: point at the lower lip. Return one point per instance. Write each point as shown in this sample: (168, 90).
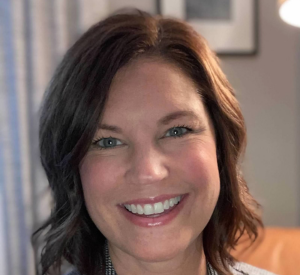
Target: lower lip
(154, 221)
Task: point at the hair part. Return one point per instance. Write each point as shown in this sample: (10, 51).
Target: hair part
(73, 103)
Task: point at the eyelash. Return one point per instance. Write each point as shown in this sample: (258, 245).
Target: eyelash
(189, 130)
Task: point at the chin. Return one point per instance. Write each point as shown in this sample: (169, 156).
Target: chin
(157, 251)
(156, 254)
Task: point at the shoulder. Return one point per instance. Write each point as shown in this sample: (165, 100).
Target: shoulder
(245, 269)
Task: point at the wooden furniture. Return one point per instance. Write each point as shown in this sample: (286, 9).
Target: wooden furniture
(276, 250)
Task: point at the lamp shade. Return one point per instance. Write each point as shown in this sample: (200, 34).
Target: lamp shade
(289, 11)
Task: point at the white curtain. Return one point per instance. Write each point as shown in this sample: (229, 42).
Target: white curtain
(34, 35)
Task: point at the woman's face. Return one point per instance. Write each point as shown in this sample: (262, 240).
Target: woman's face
(149, 158)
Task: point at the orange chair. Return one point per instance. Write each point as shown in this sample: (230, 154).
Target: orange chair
(276, 250)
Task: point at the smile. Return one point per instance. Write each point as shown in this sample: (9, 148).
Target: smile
(153, 212)
(155, 208)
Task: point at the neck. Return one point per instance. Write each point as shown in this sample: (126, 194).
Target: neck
(191, 261)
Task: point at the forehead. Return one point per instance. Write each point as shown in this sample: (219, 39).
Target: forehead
(148, 83)
(146, 94)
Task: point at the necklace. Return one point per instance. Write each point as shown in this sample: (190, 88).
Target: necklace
(111, 271)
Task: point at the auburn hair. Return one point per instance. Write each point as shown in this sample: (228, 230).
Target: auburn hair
(73, 104)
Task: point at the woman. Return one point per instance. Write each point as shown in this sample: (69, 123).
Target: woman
(140, 138)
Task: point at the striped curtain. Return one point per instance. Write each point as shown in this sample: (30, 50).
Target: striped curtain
(34, 35)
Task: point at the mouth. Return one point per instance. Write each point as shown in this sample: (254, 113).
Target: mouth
(155, 209)
(158, 213)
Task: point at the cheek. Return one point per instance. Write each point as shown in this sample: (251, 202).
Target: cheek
(202, 175)
(201, 167)
(99, 185)
(97, 177)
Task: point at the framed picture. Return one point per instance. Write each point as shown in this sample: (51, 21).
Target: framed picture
(150, 6)
(229, 26)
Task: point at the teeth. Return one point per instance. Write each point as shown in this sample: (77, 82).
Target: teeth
(133, 208)
(156, 208)
(172, 202)
(148, 209)
(140, 209)
(128, 207)
(166, 205)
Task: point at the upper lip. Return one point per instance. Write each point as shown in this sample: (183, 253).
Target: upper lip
(151, 200)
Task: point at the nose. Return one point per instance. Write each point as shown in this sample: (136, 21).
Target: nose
(147, 166)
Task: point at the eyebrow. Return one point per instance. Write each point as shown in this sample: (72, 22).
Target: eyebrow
(163, 121)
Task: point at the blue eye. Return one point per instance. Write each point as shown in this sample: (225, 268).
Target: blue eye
(111, 143)
(179, 131)
(106, 143)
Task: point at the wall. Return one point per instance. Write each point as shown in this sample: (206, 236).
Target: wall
(267, 86)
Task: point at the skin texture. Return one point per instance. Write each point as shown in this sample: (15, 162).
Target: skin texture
(147, 161)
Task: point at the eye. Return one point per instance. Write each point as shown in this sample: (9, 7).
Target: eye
(106, 143)
(111, 142)
(179, 131)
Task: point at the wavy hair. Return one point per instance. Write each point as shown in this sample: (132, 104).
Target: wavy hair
(73, 103)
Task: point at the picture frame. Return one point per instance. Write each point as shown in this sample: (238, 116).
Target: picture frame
(234, 32)
(150, 6)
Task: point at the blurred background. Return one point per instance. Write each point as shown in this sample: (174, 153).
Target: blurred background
(259, 53)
